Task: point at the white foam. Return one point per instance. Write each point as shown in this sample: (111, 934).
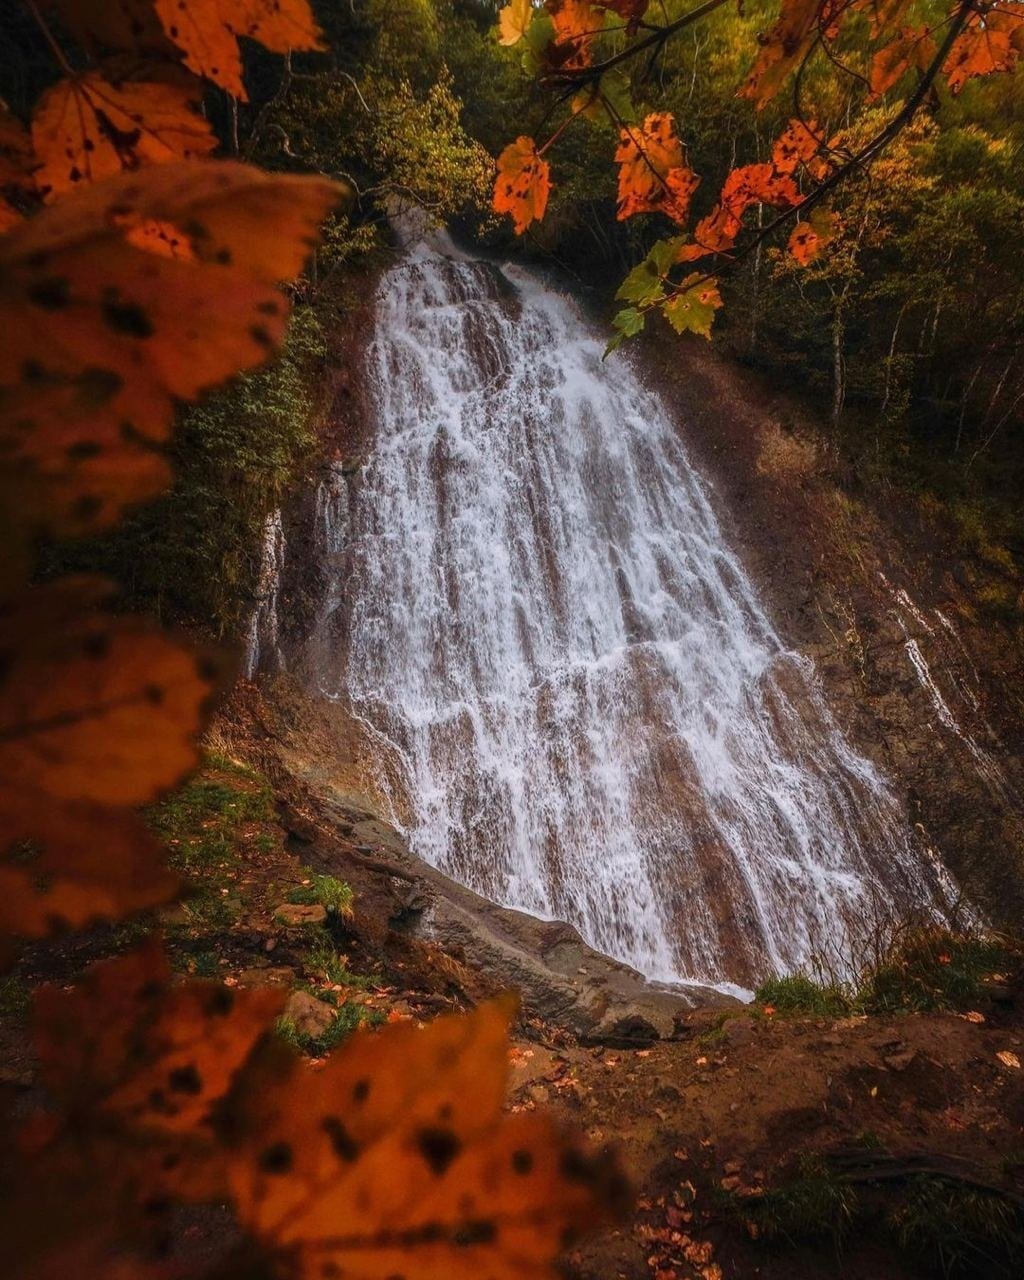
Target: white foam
(594, 717)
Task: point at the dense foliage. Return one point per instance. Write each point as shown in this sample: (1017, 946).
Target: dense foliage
(870, 325)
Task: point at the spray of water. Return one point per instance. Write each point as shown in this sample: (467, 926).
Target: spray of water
(592, 714)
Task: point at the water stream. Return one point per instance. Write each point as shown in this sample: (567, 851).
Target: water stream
(592, 716)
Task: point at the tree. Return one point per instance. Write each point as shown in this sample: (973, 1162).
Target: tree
(139, 273)
(603, 55)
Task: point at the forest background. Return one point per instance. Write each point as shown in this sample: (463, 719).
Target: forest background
(905, 337)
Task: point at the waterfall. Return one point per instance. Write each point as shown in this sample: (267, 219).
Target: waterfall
(593, 715)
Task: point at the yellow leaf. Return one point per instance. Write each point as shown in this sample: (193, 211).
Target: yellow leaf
(396, 1159)
(514, 20)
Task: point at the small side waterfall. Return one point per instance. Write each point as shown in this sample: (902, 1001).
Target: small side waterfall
(593, 716)
(261, 641)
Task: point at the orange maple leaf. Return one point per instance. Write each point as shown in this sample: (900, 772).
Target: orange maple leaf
(208, 33)
(523, 184)
(653, 175)
(991, 41)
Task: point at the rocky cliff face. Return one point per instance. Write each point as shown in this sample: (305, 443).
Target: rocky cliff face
(928, 684)
(911, 677)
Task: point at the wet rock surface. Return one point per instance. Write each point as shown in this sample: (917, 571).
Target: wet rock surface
(882, 600)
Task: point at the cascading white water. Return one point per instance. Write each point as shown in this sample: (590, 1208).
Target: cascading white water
(593, 715)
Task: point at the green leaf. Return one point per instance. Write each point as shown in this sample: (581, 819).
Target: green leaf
(627, 324)
(645, 283)
(692, 309)
(538, 36)
(664, 253)
(616, 88)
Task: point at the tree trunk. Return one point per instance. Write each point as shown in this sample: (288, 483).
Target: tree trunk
(838, 366)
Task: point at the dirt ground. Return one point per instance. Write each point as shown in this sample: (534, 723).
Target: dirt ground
(709, 1123)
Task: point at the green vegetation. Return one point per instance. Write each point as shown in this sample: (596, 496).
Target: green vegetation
(962, 1230)
(800, 994)
(200, 823)
(814, 1203)
(348, 1018)
(923, 969)
(329, 892)
(15, 999)
(322, 960)
(956, 1229)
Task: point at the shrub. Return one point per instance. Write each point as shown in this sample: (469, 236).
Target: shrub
(964, 1231)
(932, 969)
(329, 892)
(921, 969)
(347, 1019)
(800, 994)
(815, 1203)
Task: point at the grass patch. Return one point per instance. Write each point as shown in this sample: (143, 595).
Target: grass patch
(200, 822)
(815, 1204)
(326, 891)
(348, 1018)
(921, 970)
(948, 1228)
(15, 999)
(962, 1231)
(800, 994)
(323, 961)
(928, 970)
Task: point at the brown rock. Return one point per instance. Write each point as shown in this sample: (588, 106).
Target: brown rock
(311, 1016)
(296, 914)
(900, 1061)
(266, 976)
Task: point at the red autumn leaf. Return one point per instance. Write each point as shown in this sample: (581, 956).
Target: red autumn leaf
(782, 47)
(883, 15)
(796, 145)
(576, 23)
(86, 128)
(101, 310)
(17, 161)
(396, 1158)
(714, 234)
(653, 176)
(990, 42)
(630, 11)
(523, 184)
(208, 33)
(911, 46)
(809, 237)
(120, 26)
(758, 184)
(94, 709)
(71, 864)
(148, 1053)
